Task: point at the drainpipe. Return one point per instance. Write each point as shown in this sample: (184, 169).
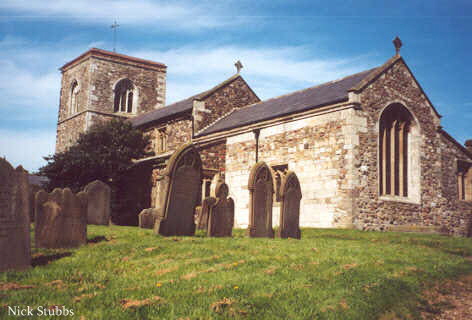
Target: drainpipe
(256, 135)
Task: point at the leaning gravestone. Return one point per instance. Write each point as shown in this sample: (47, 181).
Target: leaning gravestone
(61, 219)
(98, 208)
(261, 191)
(14, 218)
(221, 218)
(180, 186)
(147, 217)
(290, 196)
(204, 213)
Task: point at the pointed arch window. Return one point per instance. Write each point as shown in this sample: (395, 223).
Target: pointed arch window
(395, 149)
(74, 98)
(124, 96)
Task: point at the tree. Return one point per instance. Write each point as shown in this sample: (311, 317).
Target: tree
(104, 152)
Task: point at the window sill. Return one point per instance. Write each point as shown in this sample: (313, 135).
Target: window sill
(399, 199)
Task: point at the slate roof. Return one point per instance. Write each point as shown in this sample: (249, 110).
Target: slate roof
(179, 107)
(298, 101)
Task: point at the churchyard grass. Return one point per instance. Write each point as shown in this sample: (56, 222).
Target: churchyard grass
(129, 273)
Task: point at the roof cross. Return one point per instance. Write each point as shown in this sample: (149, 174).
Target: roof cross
(238, 66)
(398, 44)
(114, 26)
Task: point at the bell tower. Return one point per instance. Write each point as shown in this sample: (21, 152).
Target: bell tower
(100, 85)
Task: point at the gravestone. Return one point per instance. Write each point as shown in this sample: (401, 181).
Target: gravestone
(221, 217)
(290, 196)
(181, 183)
(147, 217)
(61, 219)
(14, 218)
(204, 214)
(261, 191)
(98, 207)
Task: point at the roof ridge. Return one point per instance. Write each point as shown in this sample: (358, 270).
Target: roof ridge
(92, 51)
(309, 88)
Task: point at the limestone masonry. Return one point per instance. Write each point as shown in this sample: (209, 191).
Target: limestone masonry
(368, 150)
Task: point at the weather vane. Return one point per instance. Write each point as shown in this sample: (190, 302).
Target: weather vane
(238, 66)
(114, 26)
(398, 44)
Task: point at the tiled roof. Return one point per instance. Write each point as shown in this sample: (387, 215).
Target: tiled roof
(298, 101)
(177, 107)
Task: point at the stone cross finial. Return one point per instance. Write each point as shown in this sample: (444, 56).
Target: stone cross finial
(238, 66)
(398, 44)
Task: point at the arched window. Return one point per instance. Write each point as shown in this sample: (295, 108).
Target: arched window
(74, 98)
(124, 96)
(395, 151)
(464, 180)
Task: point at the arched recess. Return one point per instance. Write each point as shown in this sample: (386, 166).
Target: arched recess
(125, 97)
(399, 153)
(74, 98)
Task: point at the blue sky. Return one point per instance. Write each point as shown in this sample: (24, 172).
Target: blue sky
(284, 46)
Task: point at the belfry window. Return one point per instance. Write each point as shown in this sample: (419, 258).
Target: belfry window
(74, 99)
(124, 96)
(394, 151)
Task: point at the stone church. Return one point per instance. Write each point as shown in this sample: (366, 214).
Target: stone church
(368, 149)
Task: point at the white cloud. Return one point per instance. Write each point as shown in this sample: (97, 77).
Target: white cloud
(271, 71)
(27, 148)
(175, 15)
(21, 86)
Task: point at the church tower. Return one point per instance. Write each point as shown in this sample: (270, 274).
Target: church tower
(100, 85)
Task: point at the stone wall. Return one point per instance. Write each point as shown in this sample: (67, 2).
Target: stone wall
(372, 211)
(233, 95)
(68, 131)
(96, 78)
(149, 82)
(318, 149)
(214, 156)
(456, 214)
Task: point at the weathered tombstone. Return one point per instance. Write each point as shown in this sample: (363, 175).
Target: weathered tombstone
(261, 191)
(290, 196)
(180, 182)
(221, 217)
(61, 219)
(204, 214)
(14, 218)
(98, 208)
(147, 217)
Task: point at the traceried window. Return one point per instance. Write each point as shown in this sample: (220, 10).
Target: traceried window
(396, 141)
(464, 180)
(124, 96)
(74, 98)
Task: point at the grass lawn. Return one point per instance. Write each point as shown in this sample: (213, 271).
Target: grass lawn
(129, 273)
